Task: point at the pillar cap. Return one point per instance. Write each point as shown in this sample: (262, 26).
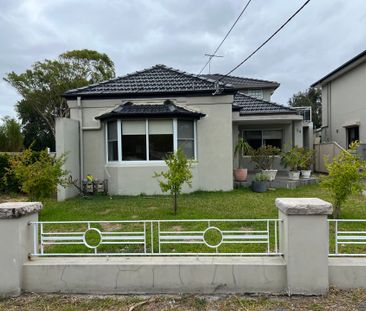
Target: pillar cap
(304, 206)
(18, 209)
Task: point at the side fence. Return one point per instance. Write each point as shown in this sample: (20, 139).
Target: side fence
(323, 151)
(301, 252)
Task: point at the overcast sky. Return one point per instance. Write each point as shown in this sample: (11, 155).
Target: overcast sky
(137, 34)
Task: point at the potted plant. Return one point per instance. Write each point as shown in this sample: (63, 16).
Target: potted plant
(259, 183)
(307, 160)
(263, 157)
(242, 148)
(292, 159)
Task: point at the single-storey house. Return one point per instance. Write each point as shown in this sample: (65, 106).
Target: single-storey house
(344, 102)
(121, 129)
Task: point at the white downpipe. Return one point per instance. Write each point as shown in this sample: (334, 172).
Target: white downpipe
(81, 139)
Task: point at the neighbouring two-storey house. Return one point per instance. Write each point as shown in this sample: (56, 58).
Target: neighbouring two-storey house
(123, 128)
(344, 102)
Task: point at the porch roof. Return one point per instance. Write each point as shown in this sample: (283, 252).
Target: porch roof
(247, 105)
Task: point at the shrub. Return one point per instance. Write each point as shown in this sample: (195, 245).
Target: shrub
(307, 158)
(346, 173)
(178, 173)
(39, 174)
(264, 156)
(8, 181)
(292, 158)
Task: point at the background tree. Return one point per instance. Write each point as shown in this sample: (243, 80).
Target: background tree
(11, 138)
(311, 97)
(346, 174)
(178, 173)
(42, 85)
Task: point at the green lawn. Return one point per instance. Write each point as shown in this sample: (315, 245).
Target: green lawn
(237, 204)
(242, 203)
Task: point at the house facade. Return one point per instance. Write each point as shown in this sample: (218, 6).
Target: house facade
(344, 102)
(122, 129)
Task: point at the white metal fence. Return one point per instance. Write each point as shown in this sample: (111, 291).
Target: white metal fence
(219, 237)
(347, 237)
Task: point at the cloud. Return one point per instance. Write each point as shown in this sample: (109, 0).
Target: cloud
(140, 33)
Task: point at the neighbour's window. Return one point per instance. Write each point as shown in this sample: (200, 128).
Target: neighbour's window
(112, 141)
(254, 93)
(133, 140)
(353, 134)
(258, 138)
(160, 139)
(149, 140)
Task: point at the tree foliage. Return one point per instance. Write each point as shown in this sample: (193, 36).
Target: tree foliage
(39, 177)
(311, 97)
(42, 85)
(11, 138)
(178, 173)
(346, 173)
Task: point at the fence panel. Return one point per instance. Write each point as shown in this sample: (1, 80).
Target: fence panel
(222, 237)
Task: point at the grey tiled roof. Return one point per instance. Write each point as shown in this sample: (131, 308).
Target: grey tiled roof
(158, 79)
(242, 83)
(168, 109)
(250, 106)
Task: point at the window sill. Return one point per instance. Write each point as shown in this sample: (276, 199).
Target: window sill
(141, 164)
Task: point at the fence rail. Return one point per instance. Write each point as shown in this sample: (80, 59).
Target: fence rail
(214, 237)
(347, 237)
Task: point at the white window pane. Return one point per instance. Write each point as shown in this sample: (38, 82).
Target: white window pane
(134, 127)
(185, 129)
(112, 130)
(272, 134)
(157, 127)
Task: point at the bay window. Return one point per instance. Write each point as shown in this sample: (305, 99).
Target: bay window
(149, 139)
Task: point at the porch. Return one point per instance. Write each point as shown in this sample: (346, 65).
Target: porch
(281, 181)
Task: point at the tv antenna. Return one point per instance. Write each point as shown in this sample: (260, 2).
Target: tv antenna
(211, 56)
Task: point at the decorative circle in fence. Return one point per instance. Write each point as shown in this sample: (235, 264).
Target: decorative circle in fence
(92, 238)
(212, 237)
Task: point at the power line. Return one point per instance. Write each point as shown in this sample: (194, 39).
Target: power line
(223, 40)
(266, 41)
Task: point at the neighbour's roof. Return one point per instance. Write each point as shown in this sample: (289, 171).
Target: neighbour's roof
(157, 80)
(353, 62)
(168, 109)
(248, 105)
(243, 83)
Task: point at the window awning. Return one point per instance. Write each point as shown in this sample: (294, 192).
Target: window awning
(166, 110)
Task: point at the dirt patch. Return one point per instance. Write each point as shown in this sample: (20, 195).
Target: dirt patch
(337, 300)
(110, 227)
(13, 198)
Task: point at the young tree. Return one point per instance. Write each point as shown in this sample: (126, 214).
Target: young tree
(42, 85)
(11, 138)
(40, 176)
(311, 97)
(178, 173)
(346, 173)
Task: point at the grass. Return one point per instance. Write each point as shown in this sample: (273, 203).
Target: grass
(237, 204)
(335, 300)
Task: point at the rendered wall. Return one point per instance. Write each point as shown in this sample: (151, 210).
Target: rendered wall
(67, 142)
(207, 275)
(343, 103)
(213, 170)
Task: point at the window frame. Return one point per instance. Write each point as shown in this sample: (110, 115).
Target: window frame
(263, 130)
(147, 162)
